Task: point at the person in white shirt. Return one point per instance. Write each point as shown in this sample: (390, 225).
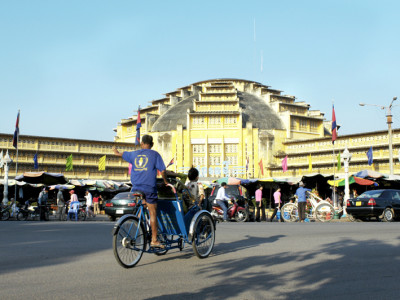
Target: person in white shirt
(221, 198)
(89, 204)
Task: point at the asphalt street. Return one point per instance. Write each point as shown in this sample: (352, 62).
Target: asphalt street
(74, 260)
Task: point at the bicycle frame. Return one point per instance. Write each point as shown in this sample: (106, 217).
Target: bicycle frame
(322, 215)
(171, 222)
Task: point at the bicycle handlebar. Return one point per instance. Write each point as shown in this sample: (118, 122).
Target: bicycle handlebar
(172, 187)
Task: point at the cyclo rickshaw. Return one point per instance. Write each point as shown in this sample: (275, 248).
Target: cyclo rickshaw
(132, 232)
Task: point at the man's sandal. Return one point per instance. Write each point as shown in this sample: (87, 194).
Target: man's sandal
(157, 245)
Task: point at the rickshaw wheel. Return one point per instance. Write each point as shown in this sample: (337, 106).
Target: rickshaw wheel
(159, 252)
(128, 250)
(203, 235)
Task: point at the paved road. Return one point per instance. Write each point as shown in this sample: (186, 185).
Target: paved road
(74, 260)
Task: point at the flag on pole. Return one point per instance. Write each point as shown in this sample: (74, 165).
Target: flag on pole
(334, 127)
(16, 133)
(284, 164)
(170, 163)
(339, 162)
(309, 163)
(35, 162)
(261, 167)
(370, 156)
(130, 169)
(69, 165)
(247, 164)
(102, 163)
(138, 125)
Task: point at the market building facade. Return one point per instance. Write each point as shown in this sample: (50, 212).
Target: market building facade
(224, 127)
(233, 127)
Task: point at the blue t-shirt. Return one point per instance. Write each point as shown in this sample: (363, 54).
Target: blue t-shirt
(301, 194)
(145, 163)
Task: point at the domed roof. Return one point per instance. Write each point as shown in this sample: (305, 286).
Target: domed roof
(254, 110)
(175, 115)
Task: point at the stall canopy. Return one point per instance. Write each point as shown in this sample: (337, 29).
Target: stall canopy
(42, 177)
(369, 173)
(352, 179)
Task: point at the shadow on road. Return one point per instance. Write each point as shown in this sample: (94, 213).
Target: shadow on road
(332, 271)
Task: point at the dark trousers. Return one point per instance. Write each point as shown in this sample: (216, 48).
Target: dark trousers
(258, 208)
(274, 214)
(302, 210)
(43, 209)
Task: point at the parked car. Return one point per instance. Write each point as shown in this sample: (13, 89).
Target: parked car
(124, 203)
(375, 203)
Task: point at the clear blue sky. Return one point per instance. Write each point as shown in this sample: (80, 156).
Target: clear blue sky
(76, 68)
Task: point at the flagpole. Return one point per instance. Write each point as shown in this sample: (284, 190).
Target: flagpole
(16, 166)
(334, 130)
(334, 183)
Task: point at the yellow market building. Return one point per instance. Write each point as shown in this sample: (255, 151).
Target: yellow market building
(233, 127)
(224, 127)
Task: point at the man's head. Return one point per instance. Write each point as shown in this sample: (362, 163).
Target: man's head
(224, 185)
(147, 141)
(71, 192)
(46, 189)
(301, 183)
(193, 174)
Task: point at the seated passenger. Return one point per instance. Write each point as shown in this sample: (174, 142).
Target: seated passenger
(195, 188)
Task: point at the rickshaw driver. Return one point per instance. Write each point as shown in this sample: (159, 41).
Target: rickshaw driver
(145, 163)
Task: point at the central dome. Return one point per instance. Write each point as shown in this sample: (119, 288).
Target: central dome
(253, 108)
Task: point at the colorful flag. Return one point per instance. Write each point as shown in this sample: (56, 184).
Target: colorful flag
(16, 133)
(35, 162)
(171, 163)
(138, 125)
(130, 169)
(69, 165)
(334, 127)
(261, 167)
(102, 163)
(370, 156)
(284, 164)
(309, 163)
(339, 162)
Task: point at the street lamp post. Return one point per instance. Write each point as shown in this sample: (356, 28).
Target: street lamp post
(6, 160)
(389, 122)
(346, 159)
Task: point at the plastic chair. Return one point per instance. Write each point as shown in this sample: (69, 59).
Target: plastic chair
(73, 210)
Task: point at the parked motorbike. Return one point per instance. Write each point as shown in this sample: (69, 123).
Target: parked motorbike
(235, 212)
(30, 212)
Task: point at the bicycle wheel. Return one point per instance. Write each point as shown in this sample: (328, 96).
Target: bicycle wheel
(22, 216)
(289, 212)
(81, 216)
(129, 242)
(203, 235)
(324, 212)
(5, 215)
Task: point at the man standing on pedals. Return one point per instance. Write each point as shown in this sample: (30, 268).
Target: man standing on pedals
(145, 163)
